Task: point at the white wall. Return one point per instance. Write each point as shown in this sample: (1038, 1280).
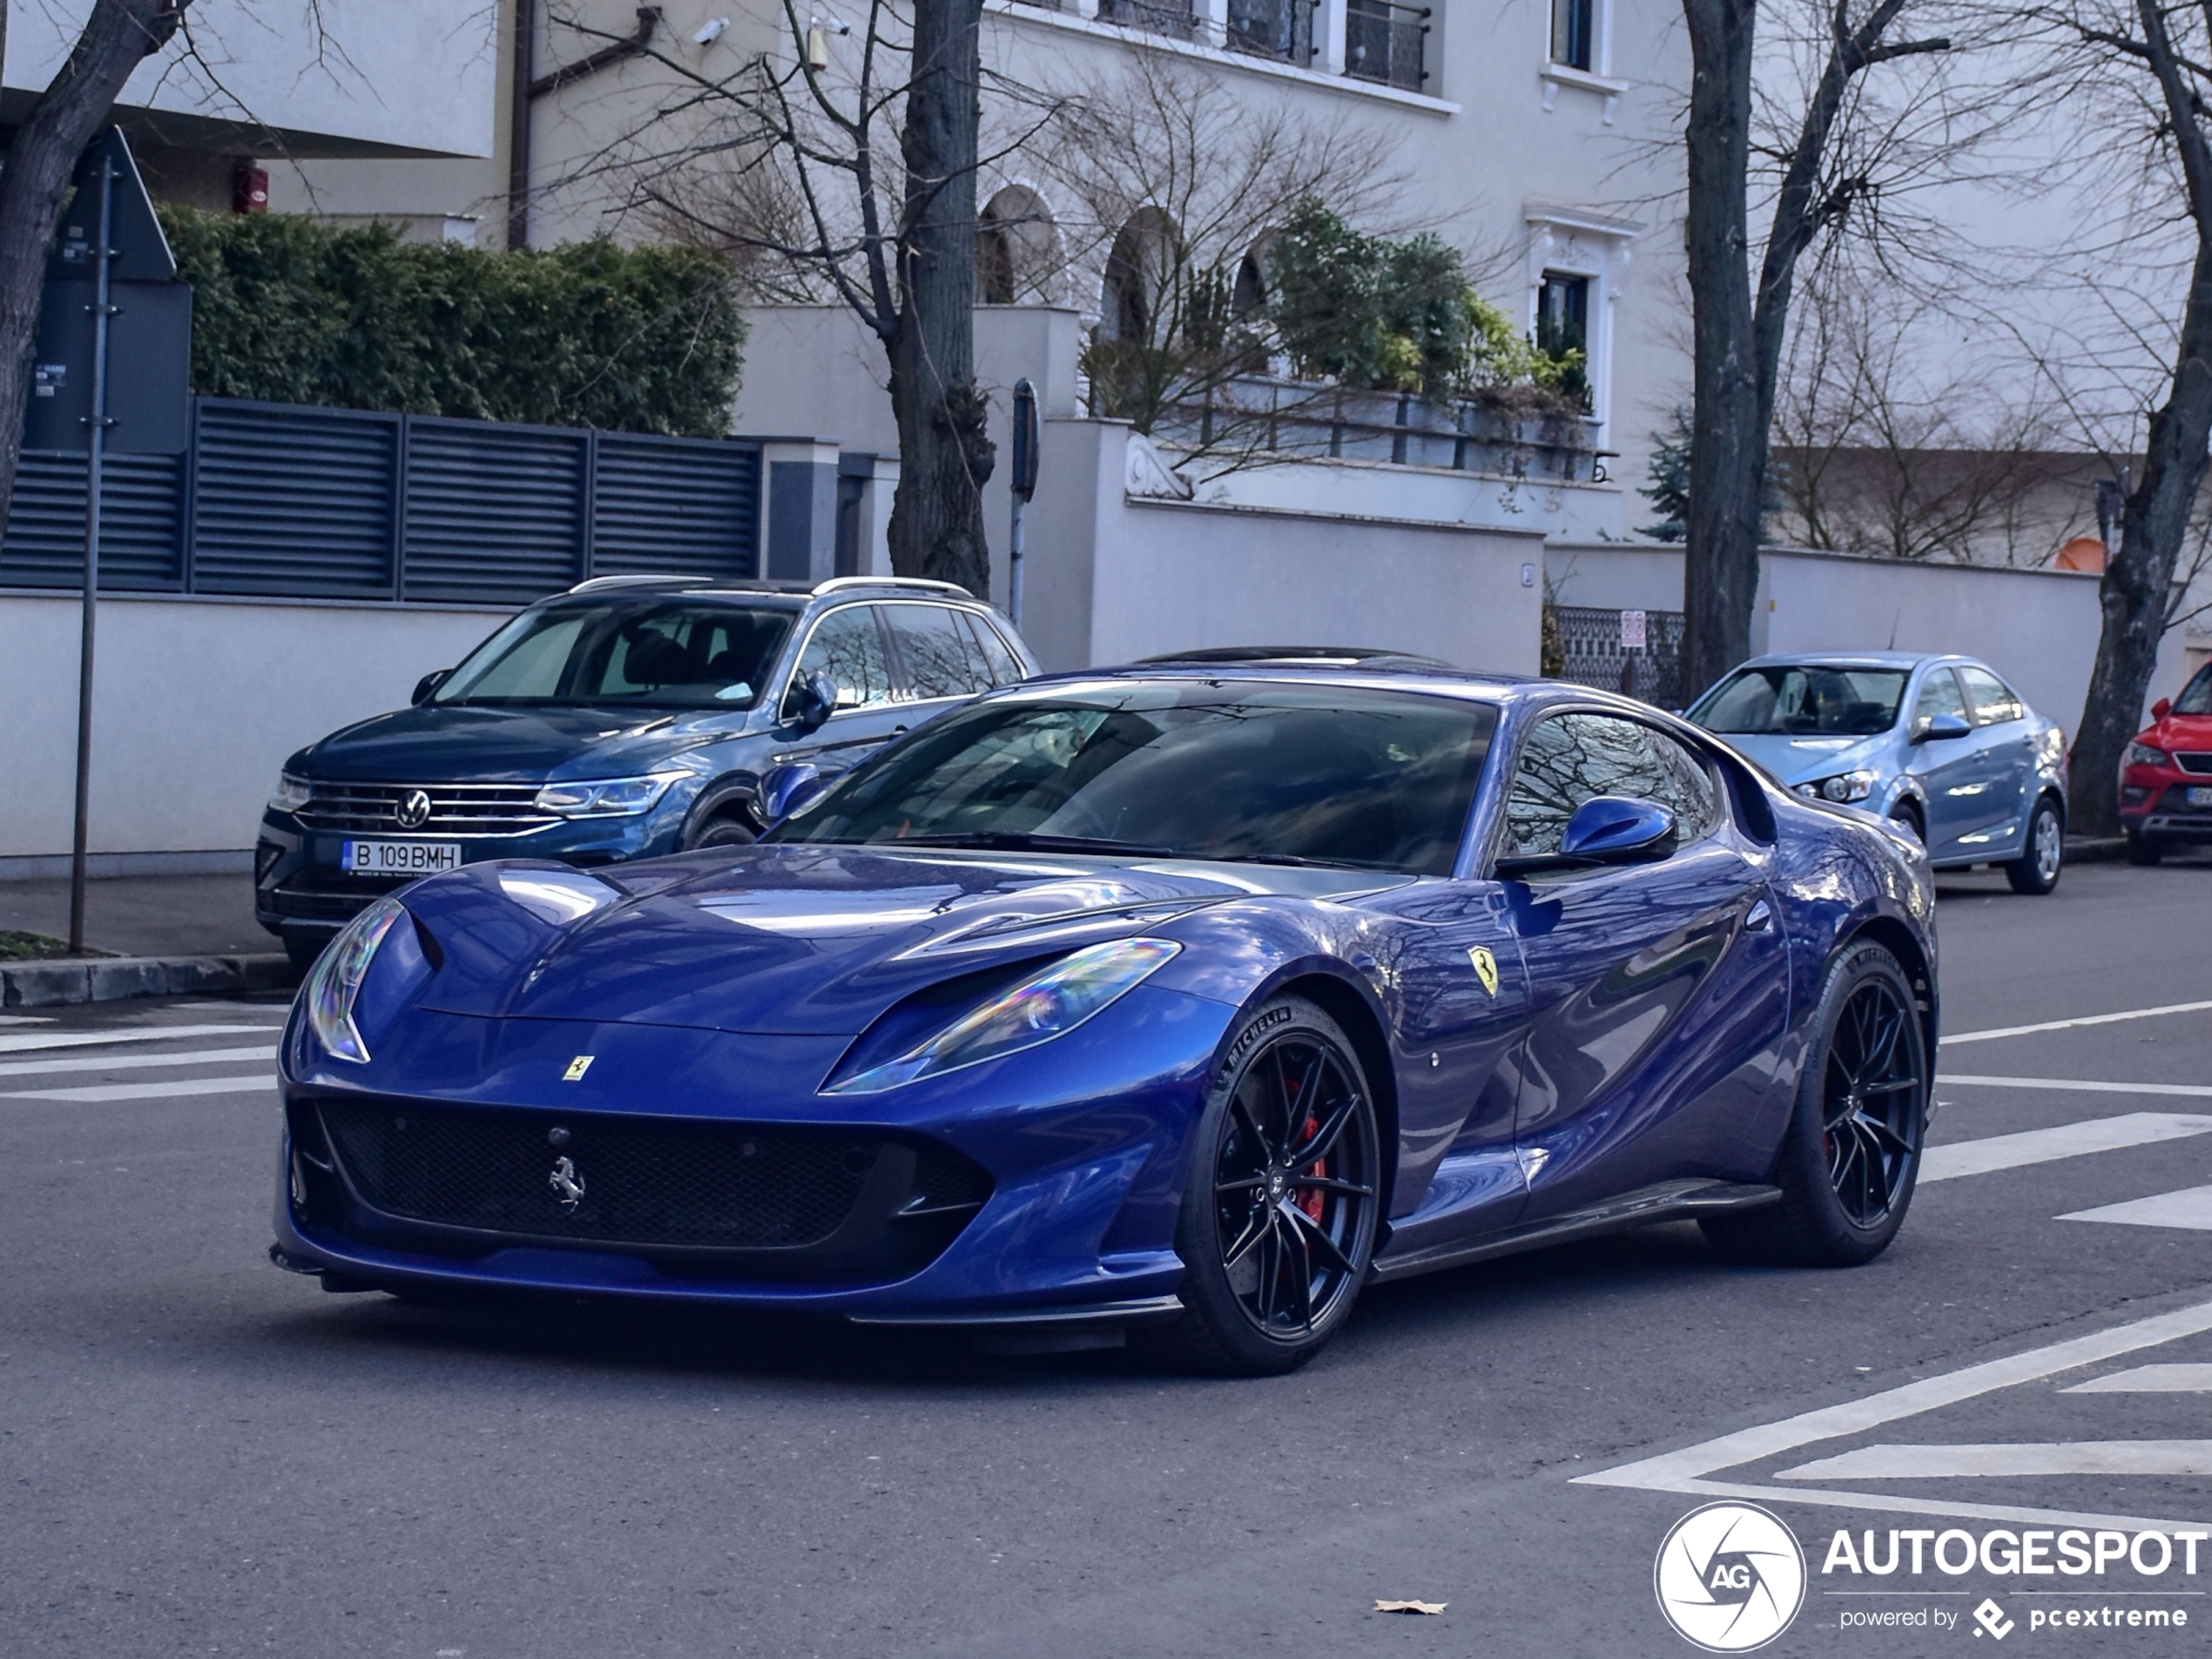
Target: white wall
(197, 703)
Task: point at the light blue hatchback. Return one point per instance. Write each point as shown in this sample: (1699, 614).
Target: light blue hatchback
(1940, 744)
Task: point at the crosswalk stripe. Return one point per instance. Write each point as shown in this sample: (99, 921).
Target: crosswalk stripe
(2066, 1141)
(2191, 1208)
(133, 1062)
(2079, 1085)
(2150, 1380)
(257, 1081)
(2027, 1457)
(30, 1044)
(2068, 1025)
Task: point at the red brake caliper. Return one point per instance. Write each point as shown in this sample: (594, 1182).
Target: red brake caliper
(1311, 1200)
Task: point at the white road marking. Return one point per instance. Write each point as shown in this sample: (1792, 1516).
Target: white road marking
(2068, 1025)
(257, 1081)
(2150, 1380)
(2083, 1085)
(26, 1018)
(139, 1061)
(2031, 1457)
(1690, 1469)
(2191, 1208)
(30, 1042)
(2042, 1145)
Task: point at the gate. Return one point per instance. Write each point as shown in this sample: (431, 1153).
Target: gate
(1595, 656)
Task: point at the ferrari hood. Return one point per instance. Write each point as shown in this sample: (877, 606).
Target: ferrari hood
(795, 939)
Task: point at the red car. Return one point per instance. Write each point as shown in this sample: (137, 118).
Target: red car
(2165, 782)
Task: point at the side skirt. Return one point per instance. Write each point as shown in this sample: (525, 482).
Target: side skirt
(1669, 1201)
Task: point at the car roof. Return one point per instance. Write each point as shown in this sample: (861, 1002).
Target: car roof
(1855, 659)
(780, 595)
(1383, 672)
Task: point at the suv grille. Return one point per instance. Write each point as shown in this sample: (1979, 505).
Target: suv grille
(2199, 762)
(455, 809)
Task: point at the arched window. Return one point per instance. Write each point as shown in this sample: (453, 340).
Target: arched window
(1251, 291)
(1136, 272)
(1016, 249)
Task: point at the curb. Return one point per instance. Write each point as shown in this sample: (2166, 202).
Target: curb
(110, 979)
(2095, 849)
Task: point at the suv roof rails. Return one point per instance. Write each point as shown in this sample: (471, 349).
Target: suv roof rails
(602, 584)
(1318, 656)
(840, 583)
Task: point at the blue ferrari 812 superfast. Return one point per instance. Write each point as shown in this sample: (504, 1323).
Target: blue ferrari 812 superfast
(1173, 1003)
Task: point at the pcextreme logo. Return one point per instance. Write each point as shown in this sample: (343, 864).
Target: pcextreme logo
(1729, 1577)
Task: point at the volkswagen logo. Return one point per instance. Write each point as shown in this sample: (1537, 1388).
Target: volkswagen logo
(415, 809)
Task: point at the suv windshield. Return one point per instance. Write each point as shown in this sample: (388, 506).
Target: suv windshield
(667, 653)
(1259, 773)
(1803, 698)
(2197, 695)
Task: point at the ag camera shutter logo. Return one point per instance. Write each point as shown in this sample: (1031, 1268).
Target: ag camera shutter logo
(1729, 1577)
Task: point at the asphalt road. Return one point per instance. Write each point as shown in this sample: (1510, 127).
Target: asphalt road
(200, 1454)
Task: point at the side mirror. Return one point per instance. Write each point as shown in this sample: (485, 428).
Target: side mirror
(812, 701)
(1940, 728)
(2161, 709)
(1609, 828)
(785, 789)
(426, 687)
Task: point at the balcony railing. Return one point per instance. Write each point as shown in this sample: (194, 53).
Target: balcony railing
(1277, 29)
(1151, 16)
(1387, 43)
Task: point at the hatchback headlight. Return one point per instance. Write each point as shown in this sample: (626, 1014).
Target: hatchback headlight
(335, 981)
(291, 793)
(606, 798)
(2143, 754)
(1044, 1006)
(1844, 787)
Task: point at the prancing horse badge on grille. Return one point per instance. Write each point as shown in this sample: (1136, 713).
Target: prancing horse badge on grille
(567, 1182)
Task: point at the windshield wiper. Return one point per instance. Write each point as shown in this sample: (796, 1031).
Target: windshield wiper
(1290, 859)
(1015, 841)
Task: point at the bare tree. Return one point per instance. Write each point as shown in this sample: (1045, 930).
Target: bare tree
(1820, 179)
(34, 186)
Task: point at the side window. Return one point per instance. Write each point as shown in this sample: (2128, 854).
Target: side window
(1993, 699)
(1006, 667)
(1695, 796)
(1938, 695)
(1570, 759)
(938, 655)
(849, 645)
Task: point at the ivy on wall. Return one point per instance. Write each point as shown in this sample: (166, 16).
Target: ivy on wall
(646, 339)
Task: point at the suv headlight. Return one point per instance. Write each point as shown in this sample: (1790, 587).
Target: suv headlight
(1044, 1006)
(606, 798)
(335, 981)
(1844, 787)
(291, 793)
(2142, 754)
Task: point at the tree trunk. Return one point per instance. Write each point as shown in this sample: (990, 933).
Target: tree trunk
(945, 452)
(2135, 591)
(117, 35)
(1728, 437)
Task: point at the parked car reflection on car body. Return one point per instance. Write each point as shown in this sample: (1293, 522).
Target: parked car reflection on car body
(1937, 744)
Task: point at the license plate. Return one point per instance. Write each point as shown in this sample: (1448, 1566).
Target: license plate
(398, 858)
(2201, 797)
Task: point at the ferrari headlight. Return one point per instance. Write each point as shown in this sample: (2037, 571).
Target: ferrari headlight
(1844, 786)
(606, 798)
(1044, 1006)
(336, 980)
(291, 793)
(2142, 754)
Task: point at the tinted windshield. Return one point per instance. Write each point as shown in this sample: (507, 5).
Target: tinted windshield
(1799, 699)
(1372, 779)
(2197, 695)
(662, 652)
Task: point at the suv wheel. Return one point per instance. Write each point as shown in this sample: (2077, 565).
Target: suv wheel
(2142, 849)
(730, 829)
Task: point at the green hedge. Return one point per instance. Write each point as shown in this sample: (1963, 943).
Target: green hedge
(627, 340)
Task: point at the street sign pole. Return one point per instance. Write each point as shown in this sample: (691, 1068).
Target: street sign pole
(1024, 485)
(95, 443)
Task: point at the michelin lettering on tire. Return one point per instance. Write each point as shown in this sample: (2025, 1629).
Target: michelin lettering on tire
(1729, 1577)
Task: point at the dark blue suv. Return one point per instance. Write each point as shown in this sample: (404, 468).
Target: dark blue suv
(629, 718)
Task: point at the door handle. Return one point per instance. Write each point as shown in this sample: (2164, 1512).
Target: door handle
(1760, 919)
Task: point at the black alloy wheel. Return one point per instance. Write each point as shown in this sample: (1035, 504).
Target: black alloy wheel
(1283, 1199)
(729, 830)
(1850, 1158)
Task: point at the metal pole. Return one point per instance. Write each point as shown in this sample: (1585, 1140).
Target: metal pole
(95, 443)
(1013, 566)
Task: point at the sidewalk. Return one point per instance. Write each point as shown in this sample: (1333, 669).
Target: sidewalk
(159, 935)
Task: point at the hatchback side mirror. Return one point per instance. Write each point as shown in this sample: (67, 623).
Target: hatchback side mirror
(1940, 728)
(785, 789)
(2161, 709)
(1609, 828)
(426, 687)
(812, 701)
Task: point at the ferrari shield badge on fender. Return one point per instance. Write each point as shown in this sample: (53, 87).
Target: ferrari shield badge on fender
(582, 1063)
(1485, 968)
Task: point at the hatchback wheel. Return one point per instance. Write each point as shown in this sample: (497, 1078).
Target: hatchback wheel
(1852, 1157)
(1281, 1197)
(2037, 868)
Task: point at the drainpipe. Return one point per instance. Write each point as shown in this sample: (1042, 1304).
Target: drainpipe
(518, 125)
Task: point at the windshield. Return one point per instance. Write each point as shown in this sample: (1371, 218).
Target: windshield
(1801, 699)
(1204, 770)
(2197, 695)
(661, 652)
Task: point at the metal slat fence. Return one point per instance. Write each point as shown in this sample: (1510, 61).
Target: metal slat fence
(1597, 656)
(294, 501)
